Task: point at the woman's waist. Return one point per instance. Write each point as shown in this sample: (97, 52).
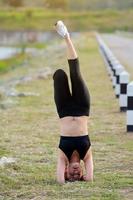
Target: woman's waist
(74, 119)
(74, 126)
(74, 130)
(73, 134)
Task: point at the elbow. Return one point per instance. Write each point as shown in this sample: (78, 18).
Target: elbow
(88, 178)
(60, 181)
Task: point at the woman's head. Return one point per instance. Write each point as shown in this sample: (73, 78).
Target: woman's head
(74, 172)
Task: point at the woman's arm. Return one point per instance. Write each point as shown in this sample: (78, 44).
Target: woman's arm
(61, 165)
(88, 162)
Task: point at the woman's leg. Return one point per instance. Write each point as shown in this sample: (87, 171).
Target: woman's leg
(71, 52)
(62, 30)
(80, 92)
(61, 89)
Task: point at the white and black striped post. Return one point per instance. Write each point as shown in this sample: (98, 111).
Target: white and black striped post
(105, 60)
(110, 59)
(115, 63)
(130, 107)
(104, 52)
(124, 80)
(119, 69)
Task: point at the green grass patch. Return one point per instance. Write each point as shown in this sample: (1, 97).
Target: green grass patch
(36, 45)
(18, 59)
(11, 63)
(3, 151)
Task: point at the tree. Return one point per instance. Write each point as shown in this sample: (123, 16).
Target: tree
(61, 4)
(15, 3)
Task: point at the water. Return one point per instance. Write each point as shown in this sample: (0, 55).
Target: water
(8, 52)
(9, 38)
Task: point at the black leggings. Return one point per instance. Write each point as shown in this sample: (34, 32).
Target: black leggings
(76, 103)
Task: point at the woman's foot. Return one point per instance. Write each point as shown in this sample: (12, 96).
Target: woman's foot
(61, 29)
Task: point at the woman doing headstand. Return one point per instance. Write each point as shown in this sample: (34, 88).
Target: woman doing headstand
(73, 110)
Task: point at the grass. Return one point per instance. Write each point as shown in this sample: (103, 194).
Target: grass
(11, 63)
(30, 133)
(41, 19)
(32, 44)
(18, 59)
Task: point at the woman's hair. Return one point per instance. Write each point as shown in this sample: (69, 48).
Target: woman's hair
(71, 175)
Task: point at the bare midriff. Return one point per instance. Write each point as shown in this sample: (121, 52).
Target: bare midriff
(74, 126)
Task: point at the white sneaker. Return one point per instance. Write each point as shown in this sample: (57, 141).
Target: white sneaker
(61, 29)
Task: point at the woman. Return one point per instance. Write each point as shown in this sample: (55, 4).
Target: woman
(73, 110)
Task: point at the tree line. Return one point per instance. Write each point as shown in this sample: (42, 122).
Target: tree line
(70, 4)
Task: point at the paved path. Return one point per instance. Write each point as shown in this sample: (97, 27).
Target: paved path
(122, 47)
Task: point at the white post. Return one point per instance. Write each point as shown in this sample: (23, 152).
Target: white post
(119, 69)
(105, 60)
(124, 80)
(130, 107)
(102, 48)
(115, 63)
(110, 58)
